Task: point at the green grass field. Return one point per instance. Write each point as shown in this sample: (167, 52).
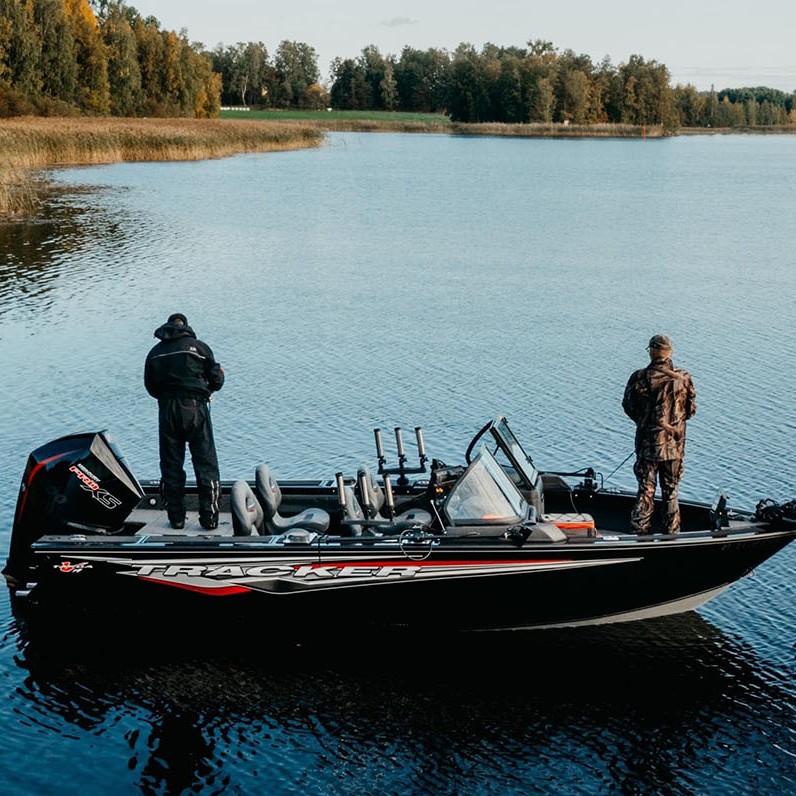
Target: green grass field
(337, 119)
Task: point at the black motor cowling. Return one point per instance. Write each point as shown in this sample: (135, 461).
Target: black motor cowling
(76, 483)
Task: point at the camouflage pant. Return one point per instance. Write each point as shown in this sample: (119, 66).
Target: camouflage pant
(647, 473)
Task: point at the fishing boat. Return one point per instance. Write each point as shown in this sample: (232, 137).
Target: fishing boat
(488, 543)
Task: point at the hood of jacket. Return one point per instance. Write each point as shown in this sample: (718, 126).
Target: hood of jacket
(171, 331)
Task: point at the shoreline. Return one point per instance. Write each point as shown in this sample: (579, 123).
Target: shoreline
(34, 144)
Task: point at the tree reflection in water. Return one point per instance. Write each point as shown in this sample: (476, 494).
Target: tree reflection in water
(36, 255)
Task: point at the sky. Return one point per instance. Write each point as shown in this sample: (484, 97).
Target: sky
(707, 43)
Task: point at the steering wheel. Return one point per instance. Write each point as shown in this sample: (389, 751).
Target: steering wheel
(475, 439)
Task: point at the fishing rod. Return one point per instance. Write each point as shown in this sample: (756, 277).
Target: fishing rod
(620, 465)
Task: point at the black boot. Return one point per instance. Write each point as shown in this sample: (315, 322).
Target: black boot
(208, 521)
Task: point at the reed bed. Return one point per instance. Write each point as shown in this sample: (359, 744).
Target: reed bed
(19, 196)
(34, 142)
(28, 144)
(559, 130)
(379, 126)
(384, 121)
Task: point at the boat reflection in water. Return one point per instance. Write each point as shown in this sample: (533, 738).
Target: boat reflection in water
(402, 711)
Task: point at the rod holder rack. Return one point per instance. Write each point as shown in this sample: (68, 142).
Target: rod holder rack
(401, 470)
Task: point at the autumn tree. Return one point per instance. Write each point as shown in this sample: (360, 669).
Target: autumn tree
(124, 72)
(93, 92)
(22, 46)
(59, 77)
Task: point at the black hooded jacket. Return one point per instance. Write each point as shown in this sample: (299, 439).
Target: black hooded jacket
(180, 366)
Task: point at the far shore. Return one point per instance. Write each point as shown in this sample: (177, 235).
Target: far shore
(30, 145)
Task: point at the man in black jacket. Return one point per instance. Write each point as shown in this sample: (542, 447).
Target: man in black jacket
(181, 372)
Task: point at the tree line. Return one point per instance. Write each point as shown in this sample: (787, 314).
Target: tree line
(60, 57)
(103, 57)
(538, 83)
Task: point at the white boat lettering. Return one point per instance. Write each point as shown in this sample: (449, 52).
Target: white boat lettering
(266, 571)
(205, 571)
(299, 571)
(174, 571)
(354, 571)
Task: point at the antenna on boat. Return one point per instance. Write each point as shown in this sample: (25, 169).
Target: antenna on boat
(401, 470)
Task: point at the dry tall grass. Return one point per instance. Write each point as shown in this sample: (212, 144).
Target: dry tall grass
(34, 142)
(18, 195)
(557, 130)
(30, 143)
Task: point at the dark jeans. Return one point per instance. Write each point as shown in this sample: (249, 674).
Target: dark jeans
(647, 473)
(184, 421)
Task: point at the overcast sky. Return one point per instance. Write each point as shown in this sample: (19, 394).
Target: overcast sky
(724, 43)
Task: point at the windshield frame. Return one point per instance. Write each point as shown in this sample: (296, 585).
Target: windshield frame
(485, 495)
(515, 453)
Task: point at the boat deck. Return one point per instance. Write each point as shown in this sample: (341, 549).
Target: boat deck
(154, 521)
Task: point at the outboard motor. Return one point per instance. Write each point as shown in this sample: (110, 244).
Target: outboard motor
(77, 483)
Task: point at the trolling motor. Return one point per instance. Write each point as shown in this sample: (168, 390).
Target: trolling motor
(401, 470)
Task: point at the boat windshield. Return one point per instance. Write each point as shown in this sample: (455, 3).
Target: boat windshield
(485, 495)
(519, 459)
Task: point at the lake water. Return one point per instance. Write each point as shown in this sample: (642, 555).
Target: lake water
(406, 280)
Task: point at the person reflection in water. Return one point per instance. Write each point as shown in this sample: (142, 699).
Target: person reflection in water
(180, 755)
(659, 399)
(181, 372)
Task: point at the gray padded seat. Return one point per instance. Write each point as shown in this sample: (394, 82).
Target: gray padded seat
(377, 499)
(353, 511)
(247, 513)
(271, 497)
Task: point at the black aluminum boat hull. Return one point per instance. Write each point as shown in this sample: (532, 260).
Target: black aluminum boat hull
(462, 586)
(486, 550)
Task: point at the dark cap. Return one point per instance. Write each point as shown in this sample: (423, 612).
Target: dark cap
(177, 317)
(660, 342)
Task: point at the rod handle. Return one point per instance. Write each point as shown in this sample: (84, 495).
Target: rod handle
(340, 490)
(421, 446)
(399, 442)
(388, 496)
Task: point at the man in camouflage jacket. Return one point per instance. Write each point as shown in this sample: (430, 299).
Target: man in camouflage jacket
(659, 399)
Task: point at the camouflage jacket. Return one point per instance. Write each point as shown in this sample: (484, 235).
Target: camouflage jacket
(659, 399)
